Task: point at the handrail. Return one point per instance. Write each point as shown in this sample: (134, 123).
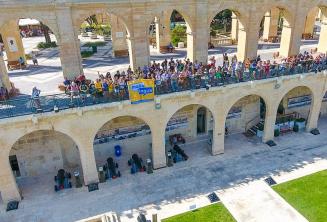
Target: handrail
(257, 118)
(26, 106)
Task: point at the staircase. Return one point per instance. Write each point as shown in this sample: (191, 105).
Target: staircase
(253, 130)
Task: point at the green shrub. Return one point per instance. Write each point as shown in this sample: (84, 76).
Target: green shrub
(28, 56)
(276, 132)
(178, 34)
(90, 44)
(86, 54)
(300, 120)
(44, 45)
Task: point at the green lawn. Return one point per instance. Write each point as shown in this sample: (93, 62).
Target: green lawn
(308, 195)
(211, 213)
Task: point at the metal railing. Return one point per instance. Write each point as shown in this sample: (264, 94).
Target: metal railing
(25, 105)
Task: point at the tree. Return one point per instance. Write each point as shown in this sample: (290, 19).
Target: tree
(45, 29)
(178, 34)
(92, 20)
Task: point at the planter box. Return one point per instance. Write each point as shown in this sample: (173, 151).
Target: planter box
(301, 125)
(259, 133)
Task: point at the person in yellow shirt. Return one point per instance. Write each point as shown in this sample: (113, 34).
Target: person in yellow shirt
(98, 87)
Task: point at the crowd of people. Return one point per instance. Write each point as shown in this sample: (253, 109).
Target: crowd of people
(177, 75)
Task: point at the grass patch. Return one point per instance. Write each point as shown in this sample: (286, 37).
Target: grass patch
(43, 45)
(211, 213)
(98, 44)
(86, 54)
(308, 195)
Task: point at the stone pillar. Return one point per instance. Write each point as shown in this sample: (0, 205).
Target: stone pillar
(158, 147)
(310, 22)
(270, 121)
(4, 78)
(322, 44)
(218, 135)
(197, 40)
(85, 147)
(138, 43)
(292, 35)
(163, 31)
(8, 186)
(247, 45)
(118, 36)
(234, 34)
(69, 44)
(312, 121)
(270, 24)
(12, 41)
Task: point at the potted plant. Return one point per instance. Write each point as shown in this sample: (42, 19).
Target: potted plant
(260, 131)
(296, 128)
(301, 123)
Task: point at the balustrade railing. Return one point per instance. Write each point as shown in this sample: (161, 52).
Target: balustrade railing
(25, 105)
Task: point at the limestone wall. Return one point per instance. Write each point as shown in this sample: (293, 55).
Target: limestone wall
(45, 152)
(244, 111)
(297, 94)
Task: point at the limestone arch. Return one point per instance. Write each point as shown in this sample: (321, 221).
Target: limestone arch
(83, 15)
(125, 131)
(253, 118)
(52, 26)
(183, 120)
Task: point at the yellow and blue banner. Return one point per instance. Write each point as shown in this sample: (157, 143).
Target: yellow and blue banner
(141, 90)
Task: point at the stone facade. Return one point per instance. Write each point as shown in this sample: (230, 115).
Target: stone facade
(82, 125)
(134, 18)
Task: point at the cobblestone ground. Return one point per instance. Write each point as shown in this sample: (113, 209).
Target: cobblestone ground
(244, 160)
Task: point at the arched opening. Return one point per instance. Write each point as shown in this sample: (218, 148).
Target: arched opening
(246, 117)
(191, 129)
(30, 50)
(169, 36)
(293, 111)
(104, 45)
(315, 30)
(224, 34)
(120, 139)
(275, 33)
(37, 157)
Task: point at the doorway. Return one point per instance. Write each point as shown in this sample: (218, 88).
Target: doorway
(201, 120)
(14, 165)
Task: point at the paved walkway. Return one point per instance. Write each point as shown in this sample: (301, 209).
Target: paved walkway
(245, 160)
(257, 202)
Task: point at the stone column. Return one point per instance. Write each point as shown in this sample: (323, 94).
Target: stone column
(4, 78)
(247, 45)
(234, 34)
(12, 41)
(158, 147)
(138, 43)
(270, 23)
(197, 39)
(163, 31)
(8, 186)
(85, 147)
(218, 135)
(292, 35)
(118, 36)
(310, 22)
(322, 44)
(312, 121)
(69, 44)
(270, 121)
